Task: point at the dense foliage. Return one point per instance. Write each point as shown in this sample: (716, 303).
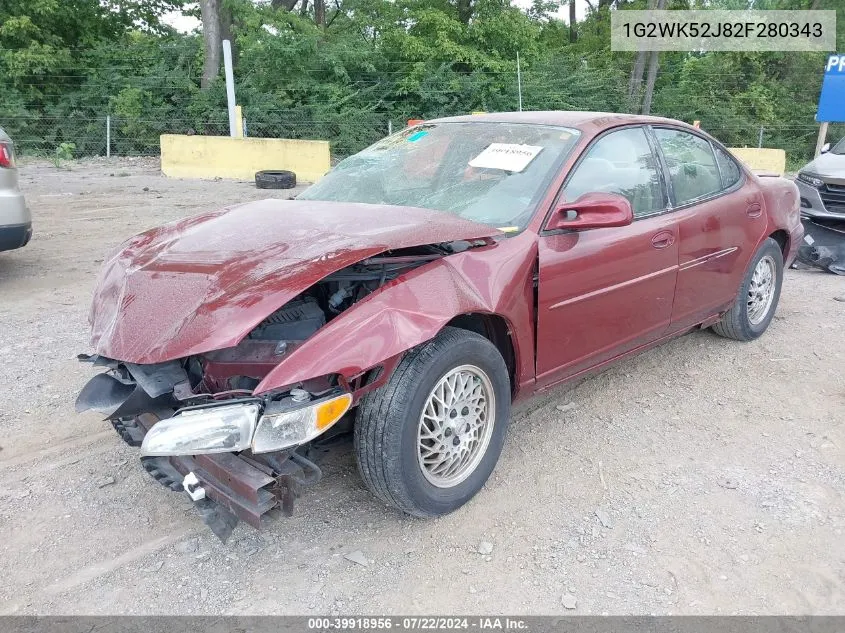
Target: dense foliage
(66, 64)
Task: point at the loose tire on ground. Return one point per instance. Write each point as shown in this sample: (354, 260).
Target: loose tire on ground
(746, 320)
(389, 431)
(275, 179)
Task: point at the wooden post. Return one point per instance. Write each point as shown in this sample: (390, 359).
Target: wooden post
(822, 137)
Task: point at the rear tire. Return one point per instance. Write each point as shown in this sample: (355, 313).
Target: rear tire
(758, 297)
(426, 447)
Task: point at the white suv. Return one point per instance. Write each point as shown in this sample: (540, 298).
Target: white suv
(822, 184)
(15, 219)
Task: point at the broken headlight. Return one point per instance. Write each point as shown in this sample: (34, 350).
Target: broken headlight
(222, 429)
(280, 429)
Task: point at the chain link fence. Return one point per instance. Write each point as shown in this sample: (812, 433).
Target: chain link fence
(85, 132)
(107, 135)
(111, 135)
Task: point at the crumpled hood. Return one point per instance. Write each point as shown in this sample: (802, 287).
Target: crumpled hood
(831, 166)
(204, 283)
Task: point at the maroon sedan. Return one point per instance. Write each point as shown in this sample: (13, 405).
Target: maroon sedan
(415, 292)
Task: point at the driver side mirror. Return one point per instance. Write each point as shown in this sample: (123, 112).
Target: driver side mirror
(825, 148)
(592, 211)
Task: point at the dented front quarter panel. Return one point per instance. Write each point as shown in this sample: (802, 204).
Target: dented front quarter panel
(203, 283)
(495, 279)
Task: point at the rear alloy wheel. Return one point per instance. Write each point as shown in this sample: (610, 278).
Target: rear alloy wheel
(758, 296)
(428, 440)
(761, 291)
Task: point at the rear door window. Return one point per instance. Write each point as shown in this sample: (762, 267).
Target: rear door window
(692, 165)
(728, 168)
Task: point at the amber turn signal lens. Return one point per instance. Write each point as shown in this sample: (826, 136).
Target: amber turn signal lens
(332, 410)
(292, 427)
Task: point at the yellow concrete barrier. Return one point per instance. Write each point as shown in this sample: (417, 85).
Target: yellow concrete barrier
(761, 158)
(239, 158)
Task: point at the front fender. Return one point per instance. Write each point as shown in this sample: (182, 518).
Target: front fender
(412, 309)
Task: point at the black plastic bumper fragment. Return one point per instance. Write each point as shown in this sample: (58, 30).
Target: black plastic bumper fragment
(217, 518)
(159, 379)
(220, 520)
(823, 246)
(115, 398)
(129, 389)
(163, 472)
(129, 431)
(103, 393)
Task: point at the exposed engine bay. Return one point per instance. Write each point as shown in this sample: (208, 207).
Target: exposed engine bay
(297, 320)
(236, 371)
(239, 482)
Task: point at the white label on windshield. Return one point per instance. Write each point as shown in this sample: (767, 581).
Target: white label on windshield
(506, 156)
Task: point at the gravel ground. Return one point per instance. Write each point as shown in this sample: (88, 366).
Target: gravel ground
(704, 476)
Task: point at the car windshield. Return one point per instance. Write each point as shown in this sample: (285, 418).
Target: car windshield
(495, 173)
(839, 148)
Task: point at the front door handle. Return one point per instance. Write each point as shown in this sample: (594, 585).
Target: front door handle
(754, 210)
(663, 239)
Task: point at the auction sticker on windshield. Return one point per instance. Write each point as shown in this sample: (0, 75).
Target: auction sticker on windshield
(506, 156)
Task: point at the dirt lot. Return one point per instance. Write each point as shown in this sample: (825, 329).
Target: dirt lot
(705, 476)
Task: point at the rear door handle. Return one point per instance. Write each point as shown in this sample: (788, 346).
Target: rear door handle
(754, 210)
(663, 239)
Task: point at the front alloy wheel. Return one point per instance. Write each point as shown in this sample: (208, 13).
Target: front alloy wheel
(455, 426)
(428, 440)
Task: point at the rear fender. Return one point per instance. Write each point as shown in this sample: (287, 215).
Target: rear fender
(782, 200)
(413, 308)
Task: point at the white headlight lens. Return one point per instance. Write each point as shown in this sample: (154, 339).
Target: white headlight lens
(223, 429)
(290, 428)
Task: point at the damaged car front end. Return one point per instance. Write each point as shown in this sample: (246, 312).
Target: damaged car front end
(235, 455)
(211, 390)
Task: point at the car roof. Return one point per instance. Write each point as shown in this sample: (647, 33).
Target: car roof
(593, 122)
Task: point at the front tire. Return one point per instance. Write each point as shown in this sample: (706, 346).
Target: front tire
(428, 440)
(758, 297)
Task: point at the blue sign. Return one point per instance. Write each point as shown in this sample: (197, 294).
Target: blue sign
(832, 99)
